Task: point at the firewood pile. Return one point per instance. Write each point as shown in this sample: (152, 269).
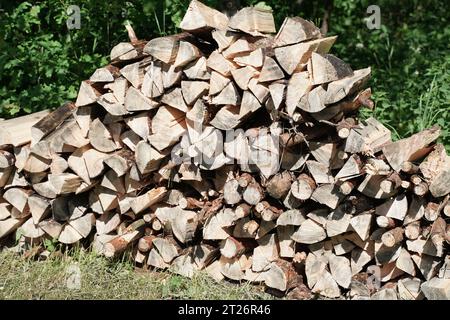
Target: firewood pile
(235, 149)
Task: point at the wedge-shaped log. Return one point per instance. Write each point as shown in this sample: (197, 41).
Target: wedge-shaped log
(165, 48)
(410, 149)
(295, 30)
(125, 51)
(100, 137)
(136, 101)
(254, 21)
(327, 68)
(9, 225)
(105, 74)
(64, 183)
(270, 71)
(217, 62)
(294, 57)
(51, 122)
(228, 96)
(231, 248)
(187, 52)
(87, 94)
(167, 249)
(281, 276)
(265, 253)
(201, 18)
(299, 84)
(18, 198)
(134, 72)
(196, 70)
(192, 90)
(436, 289)
(339, 89)
(168, 125)
(147, 158)
(309, 232)
(254, 58)
(184, 225)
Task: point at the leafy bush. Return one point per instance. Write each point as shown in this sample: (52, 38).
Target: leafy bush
(42, 62)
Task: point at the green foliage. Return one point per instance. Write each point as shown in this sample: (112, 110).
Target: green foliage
(42, 62)
(50, 244)
(409, 59)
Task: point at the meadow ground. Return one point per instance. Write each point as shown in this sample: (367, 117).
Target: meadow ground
(100, 278)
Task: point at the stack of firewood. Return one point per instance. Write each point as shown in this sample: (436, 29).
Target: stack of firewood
(230, 149)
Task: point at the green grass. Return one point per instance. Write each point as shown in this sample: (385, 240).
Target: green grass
(100, 278)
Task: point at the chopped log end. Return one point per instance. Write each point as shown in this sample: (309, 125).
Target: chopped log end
(447, 210)
(392, 237)
(385, 222)
(303, 187)
(343, 133)
(413, 230)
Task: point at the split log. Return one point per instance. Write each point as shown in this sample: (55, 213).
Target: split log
(196, 70)
(281, 276)
(253, 20)
(136, 101)
(107, 223)
(265, 253)
(167, 249)
(409, 289)
(287, 245)
(148, 199)
(309, 232)
(50, 122)
(185, 225)
(231, 248)
(121, 243)
(395, 208)
(436, 289)
(87, 94)
(340, 270)
(409, 149)
(165, 48)
(18, 198)
(294, 57)
(327, 68)
(270, 71)
(295, 30)
(327, 194)
(368, 137)
(64, 183)
(200, 18)
(21, 128)
(9, 225)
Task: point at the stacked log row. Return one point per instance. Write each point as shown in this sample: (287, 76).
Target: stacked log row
(235, 149)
